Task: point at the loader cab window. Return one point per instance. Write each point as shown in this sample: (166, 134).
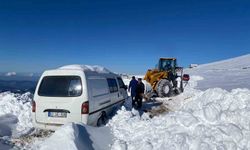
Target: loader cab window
(167, 64)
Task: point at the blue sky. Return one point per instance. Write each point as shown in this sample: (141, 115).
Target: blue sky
(124, 36)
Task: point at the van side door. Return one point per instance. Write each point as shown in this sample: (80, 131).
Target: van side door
(99, 97)
(122, 89)
(113, 88)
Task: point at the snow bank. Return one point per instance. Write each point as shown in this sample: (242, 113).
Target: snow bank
(212, 119)
(15, 114)
(78, 136)
(95, 68)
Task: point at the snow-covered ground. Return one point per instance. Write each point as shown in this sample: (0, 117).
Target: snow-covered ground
(227, 74)
(15, 116)
(75, 136)
(212, 113)
(211, 119)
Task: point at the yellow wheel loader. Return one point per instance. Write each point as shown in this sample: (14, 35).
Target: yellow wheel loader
(167, 78)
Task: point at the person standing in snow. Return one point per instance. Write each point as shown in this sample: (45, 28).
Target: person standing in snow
(132, 88)
(139, 93)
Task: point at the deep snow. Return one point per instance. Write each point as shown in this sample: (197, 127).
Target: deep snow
(75, 136)
(15, 114)
(216, 118)
(211, 119)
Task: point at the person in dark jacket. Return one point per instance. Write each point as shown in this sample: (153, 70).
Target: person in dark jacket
(139, 93)
(132, 88)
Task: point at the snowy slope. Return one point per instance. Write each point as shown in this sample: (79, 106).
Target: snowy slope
(226, 74)
(233, 63)
(212, 119)
(216, 118)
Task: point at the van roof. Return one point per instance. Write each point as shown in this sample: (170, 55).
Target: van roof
(86, 68)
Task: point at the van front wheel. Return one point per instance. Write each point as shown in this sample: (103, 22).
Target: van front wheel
(103, 119)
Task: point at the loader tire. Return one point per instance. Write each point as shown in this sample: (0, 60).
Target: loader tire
(164, 88)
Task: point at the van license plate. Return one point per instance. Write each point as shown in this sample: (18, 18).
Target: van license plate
(57, 114)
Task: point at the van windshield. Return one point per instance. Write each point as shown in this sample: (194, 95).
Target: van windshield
(60, 86)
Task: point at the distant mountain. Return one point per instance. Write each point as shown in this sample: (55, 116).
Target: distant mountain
(31, 77)
(17, 86)
(18, 83)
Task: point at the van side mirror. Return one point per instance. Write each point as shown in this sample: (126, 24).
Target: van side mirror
(125, 87)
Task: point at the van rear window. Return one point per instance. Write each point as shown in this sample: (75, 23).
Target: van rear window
(60, 86)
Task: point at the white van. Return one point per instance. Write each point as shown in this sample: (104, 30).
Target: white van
(76, 93)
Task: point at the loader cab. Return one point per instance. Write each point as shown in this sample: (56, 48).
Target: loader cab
(167, 64)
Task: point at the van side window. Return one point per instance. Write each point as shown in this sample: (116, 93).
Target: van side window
(121, 83)
(112, 85)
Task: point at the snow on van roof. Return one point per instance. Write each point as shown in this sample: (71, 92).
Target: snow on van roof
(94, 68)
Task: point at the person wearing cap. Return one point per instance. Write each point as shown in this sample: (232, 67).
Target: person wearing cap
(132, 88)
(139, 93)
